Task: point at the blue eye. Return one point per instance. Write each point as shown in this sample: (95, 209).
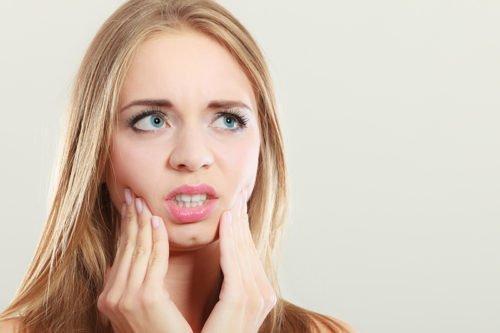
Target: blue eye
(147, 121)
(231, 121)
(153, 120)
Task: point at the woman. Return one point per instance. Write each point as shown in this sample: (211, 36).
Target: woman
(172, 192)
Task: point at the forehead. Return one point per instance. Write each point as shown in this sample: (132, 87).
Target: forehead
(185, 67)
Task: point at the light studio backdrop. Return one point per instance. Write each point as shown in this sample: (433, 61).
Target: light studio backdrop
(391, 116)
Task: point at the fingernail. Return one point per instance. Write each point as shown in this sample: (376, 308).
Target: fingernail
(128, 196)
(138, 205)
(155, 221)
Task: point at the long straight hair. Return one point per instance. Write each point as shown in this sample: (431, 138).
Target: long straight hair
(60, 289)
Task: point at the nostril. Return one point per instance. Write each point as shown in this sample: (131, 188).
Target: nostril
(186, 160)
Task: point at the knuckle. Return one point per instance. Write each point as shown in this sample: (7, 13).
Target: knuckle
(101, 303)
(157, 258)
(270, 296)
(142, 222)
(156, 244)
(140, 250)
(127, 243)
(126, 305)
(105, 303)
(270, 301)
(129, 215)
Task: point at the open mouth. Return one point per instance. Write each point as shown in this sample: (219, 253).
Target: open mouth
(191, 203)
(187, 200)
(182, 211)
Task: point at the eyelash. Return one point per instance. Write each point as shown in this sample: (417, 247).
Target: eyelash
(135, 118)
(240, 118)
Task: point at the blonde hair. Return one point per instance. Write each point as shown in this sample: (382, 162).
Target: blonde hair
(61, 287)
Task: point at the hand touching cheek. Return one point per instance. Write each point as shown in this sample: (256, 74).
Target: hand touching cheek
(134, 298)
(246, 295)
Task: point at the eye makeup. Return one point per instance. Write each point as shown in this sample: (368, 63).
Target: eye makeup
(241, 118)
(233, 113)
(143, 114)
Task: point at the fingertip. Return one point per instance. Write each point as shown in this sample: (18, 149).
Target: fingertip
(155, 222)
(131, 208)
(228, 216)
(159, 226)
(128, 196)
(225, 224)
(139, 205)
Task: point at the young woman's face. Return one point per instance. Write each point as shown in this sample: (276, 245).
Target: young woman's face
(187, 115)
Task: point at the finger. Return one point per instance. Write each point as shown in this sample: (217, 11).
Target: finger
(142, 249)
(118, 275)
(111, 274)
(232, 283)
(260, 274)
(239, 222)
(238, 215)
(243, 248)
(246, 228)
(263, 286)
(249, 265)
(158, 261)
(245, 240)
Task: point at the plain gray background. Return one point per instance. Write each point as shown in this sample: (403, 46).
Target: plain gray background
(390, 111)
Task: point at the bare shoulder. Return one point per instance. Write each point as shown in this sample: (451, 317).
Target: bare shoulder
(10, 325)
(346, 328)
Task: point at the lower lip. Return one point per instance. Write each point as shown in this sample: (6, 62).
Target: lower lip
(191, 214)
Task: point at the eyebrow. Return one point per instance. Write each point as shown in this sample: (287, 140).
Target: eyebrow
(165, 103)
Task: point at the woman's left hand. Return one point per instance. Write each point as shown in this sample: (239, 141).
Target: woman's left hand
(246, 296)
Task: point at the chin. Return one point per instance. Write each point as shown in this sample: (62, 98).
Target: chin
(191, 236)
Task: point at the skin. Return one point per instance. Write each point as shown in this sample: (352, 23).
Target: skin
(158, 288)
(192, 146)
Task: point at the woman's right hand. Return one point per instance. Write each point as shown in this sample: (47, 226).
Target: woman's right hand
(134, 298)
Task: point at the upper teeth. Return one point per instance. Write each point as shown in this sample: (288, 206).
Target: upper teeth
(191, 198)
(186, 200)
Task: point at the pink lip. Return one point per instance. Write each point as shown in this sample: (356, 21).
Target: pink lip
(194, 189)
(192, 214)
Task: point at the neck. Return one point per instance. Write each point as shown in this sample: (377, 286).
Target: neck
(194, 280)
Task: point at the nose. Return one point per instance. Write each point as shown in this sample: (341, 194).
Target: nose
(191, 151)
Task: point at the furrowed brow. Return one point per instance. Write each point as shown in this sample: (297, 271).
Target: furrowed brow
(223, 104)
(165, 103)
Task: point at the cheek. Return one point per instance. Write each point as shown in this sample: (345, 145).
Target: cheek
(132, 165)
(241, 161)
